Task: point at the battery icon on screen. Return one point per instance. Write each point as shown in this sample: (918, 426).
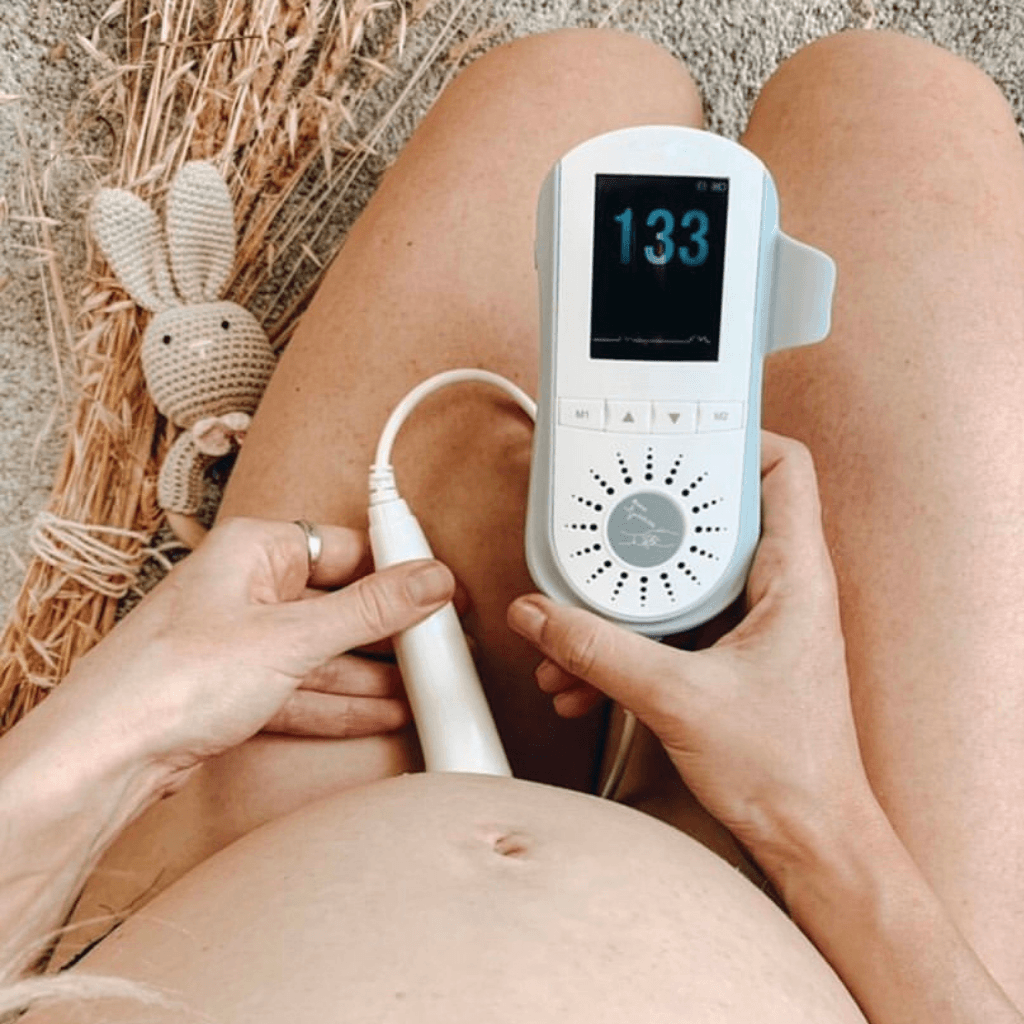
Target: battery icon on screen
(719, 186)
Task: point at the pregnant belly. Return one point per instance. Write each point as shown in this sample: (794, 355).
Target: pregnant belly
(459, 898)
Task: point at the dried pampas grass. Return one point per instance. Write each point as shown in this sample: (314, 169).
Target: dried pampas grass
(274, 93)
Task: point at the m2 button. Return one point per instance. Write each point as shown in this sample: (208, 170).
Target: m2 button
(587, 413)
(719, 416)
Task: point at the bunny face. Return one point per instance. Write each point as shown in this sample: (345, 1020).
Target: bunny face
(206, 359)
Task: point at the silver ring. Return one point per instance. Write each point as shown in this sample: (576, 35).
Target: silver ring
(314, 545)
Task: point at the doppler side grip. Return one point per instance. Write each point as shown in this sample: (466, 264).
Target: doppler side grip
(453, 719)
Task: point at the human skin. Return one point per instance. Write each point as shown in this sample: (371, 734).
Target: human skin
(900, 160)
(233, 641)
(908, 407)
(760, 728)
(455, 898)
(219, 649)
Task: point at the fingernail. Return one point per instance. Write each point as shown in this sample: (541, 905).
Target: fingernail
(527, 618)
(429, 584)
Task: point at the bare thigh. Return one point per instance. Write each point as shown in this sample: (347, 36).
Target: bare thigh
(437, 273)
(904, 163)
(919, 474)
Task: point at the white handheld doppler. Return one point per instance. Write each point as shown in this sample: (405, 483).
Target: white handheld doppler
(664, 281)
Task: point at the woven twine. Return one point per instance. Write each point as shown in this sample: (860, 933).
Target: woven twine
(83, 565)
(80, 553)
(88, 555)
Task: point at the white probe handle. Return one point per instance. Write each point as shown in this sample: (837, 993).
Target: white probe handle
(453, 719)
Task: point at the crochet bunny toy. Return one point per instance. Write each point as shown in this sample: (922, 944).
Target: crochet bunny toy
(206, 362)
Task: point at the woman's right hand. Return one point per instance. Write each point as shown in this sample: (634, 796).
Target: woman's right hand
(759, 725)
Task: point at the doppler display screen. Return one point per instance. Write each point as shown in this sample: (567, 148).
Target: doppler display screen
(659, 258)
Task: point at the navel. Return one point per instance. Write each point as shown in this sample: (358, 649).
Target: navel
(512, 844)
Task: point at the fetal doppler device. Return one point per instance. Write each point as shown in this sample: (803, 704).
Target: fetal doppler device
(665, 280)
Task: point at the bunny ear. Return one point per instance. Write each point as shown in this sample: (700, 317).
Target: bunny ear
(200, 231)
(127, 231)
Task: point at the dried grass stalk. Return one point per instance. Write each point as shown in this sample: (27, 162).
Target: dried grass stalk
(260, 88)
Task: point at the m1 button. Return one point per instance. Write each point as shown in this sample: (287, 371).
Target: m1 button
(581, 412)
(719, 416)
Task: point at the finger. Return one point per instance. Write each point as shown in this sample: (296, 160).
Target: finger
(793, 555)
(572, 696)
(386, 648)
(552, 678)
(355, 676)
(380, 649)
(637, 672)
(309, 713)
(460, 599)
(371, 608)
(578, 701)
(344, 555)
(242, 540)
(791, 507)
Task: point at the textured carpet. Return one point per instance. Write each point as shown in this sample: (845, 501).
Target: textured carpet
(730, 46)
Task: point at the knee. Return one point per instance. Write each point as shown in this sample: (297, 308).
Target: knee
(882, 96)
(885, 73)
(577, 64)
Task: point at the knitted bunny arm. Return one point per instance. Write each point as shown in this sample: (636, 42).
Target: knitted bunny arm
(180, 487)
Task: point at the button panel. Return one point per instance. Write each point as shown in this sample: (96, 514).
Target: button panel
(632, 417)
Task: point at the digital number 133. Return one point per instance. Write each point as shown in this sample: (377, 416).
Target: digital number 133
(666, 248)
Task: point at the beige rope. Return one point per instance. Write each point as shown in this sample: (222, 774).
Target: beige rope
(78, 551)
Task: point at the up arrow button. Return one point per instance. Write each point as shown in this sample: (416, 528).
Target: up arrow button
(628, 417)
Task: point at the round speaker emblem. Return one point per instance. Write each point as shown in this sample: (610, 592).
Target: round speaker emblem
(645, 529)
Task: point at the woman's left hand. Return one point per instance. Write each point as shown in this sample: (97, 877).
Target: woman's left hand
(236, 640)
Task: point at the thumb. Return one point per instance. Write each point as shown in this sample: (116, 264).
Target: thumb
(638, 672)
(374, 607)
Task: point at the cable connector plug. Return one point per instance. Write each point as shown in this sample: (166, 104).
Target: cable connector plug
(382, 484)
